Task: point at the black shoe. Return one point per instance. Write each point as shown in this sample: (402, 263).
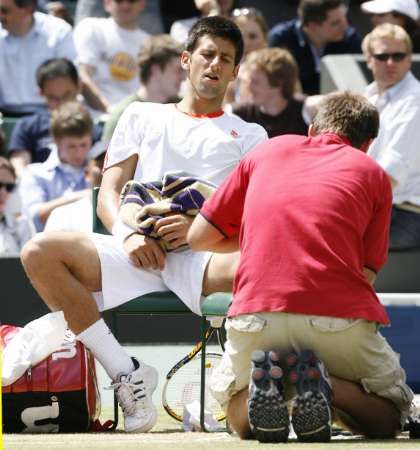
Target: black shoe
(311, 413)
(267, 408)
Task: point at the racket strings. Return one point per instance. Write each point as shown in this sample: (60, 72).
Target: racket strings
(183, 387)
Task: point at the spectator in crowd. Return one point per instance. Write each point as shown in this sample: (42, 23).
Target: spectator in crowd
(31, 140)
(271, 76)
(61, 178)
(331, 205)
(396, 93)
(58, 9)
(77, 216)
(150, 19)
(320, 29)
(14, 231)
(97, 272)
(107, 50)
(253, 27)
(27, 39)
(161, 76)
(180, 28)
(404, 13)
(254, 32)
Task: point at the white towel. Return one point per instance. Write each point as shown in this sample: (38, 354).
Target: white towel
(33, 343)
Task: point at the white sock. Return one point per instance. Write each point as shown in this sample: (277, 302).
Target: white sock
(106, 349)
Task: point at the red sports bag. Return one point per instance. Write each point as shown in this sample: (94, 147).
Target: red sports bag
(59, 394)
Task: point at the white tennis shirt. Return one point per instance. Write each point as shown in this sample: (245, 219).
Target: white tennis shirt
(167, 140)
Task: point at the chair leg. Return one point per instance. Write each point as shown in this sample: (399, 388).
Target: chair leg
(115, 332)
(203, 372)
(115, 424)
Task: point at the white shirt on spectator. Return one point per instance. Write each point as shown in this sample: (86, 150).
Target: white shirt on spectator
(20, 56)
(112, 51)
(397, 147)
(180, 28)
(76, 216)
(14, 232)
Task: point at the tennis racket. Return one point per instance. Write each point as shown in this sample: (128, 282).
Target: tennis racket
(183, 381)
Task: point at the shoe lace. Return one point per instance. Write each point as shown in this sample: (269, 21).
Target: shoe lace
(132, 397)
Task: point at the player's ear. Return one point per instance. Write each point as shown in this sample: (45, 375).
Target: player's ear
(235, 72)
(185, 59)
(311, 131)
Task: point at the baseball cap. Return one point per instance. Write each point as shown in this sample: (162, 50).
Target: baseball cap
(409, 8)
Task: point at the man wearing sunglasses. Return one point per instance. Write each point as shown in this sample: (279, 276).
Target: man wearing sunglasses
(396, 93)
(14, 232)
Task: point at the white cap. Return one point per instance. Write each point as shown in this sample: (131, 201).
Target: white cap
(409, 8)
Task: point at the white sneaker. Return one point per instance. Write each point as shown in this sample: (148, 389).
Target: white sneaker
(134, 393)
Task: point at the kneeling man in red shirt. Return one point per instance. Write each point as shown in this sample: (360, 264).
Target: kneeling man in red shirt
(311, 217)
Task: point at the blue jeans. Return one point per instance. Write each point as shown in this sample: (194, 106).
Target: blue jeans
(405, 229)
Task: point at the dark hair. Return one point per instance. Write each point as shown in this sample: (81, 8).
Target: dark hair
(347, 114)
(216, 26)
(24, 3)
(55, 68)
(316, 10)
(70, 119)
(159, 49)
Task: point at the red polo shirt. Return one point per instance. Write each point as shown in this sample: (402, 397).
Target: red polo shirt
(311, 213)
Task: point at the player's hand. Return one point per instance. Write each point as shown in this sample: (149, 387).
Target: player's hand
(144, 252)
(173, 229)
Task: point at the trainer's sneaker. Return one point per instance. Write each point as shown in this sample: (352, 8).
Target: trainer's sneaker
(267, 409)
(134, 393)
(311, 412)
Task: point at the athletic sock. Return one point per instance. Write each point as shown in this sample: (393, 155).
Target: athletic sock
(99, 339)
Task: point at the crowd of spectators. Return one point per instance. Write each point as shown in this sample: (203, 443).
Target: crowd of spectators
(91, 59)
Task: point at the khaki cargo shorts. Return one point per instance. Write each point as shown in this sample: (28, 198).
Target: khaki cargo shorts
(351, 349)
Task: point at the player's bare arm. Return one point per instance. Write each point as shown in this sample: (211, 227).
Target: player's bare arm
(143, 252)
(202, 235)
(370, 275)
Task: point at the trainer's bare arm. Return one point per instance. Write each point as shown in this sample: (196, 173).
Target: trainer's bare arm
(370, 275)
(202, 235)
(143, 252)
(173, 229)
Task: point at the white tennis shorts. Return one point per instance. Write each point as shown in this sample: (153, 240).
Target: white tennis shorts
(122, 281)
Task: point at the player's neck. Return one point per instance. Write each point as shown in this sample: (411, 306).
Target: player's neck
(195, 105)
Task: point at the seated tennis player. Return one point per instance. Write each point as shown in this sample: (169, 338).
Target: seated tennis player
(84, 274)
(312, 217)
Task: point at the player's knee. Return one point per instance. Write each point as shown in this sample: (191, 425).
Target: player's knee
(35, 252)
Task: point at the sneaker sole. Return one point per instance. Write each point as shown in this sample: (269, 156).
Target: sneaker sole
(311, 412)
(267, 410)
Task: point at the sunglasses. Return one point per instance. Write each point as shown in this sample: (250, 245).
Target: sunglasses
(396, 57)
(252, 12)
(10, 187)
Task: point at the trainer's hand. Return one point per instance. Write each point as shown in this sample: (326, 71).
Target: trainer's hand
(144, 252)
(173, 229)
